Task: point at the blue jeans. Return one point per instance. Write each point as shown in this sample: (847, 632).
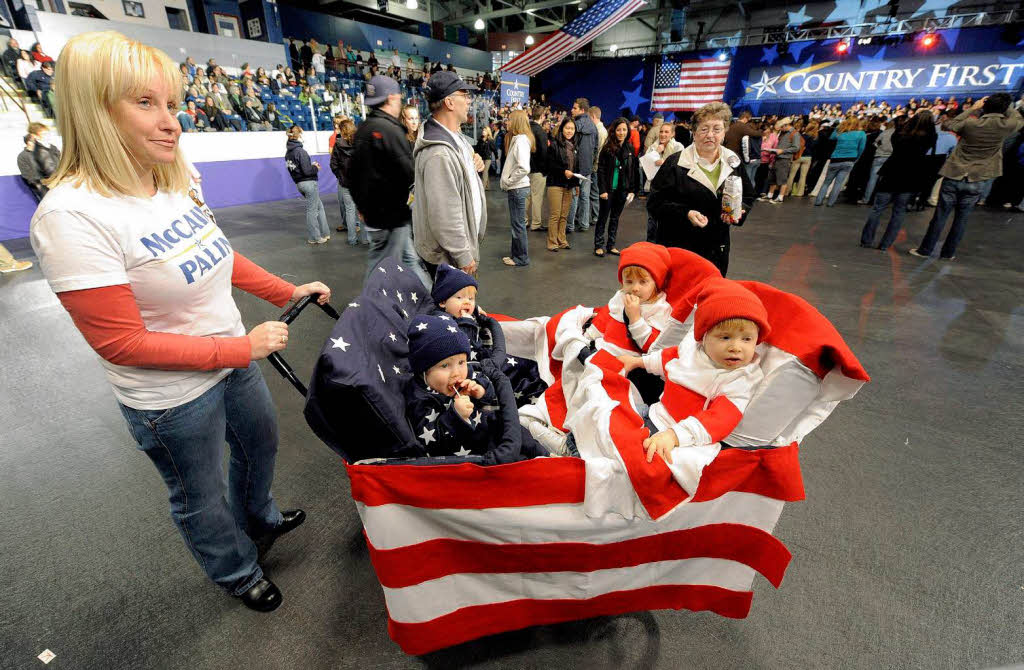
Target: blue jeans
(956, 194)
(837, 172)
(751, 169)
(571, 216)
(581, 220)
(186, 122)
(316, 217)
(595, 198)
(611, 209)
(520, 252)
(876, 165)
(186, 444)
(899, 210)
(396, 243)
(350, 217)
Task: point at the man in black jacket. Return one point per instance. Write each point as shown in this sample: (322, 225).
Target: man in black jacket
(538, 168)
(306, 54)
(39, 82)
(10, 58)
(381, 176)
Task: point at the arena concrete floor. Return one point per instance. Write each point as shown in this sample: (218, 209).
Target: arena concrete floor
(906, 553)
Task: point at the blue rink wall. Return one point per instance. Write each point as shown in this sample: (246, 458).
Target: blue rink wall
(256, 174)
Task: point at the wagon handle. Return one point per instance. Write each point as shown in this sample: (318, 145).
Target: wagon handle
(290, 315)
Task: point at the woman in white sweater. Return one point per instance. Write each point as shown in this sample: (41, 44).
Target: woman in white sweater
(515, 179)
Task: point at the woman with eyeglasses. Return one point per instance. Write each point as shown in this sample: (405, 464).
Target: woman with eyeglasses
(686, 194)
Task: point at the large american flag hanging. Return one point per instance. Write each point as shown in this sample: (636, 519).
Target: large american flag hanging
(689, 85)
(601, 16)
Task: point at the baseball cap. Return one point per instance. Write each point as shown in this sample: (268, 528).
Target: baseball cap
(443, 84)
(379, 88)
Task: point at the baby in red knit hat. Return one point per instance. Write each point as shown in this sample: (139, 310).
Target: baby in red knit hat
(710, 378)
(638, 312)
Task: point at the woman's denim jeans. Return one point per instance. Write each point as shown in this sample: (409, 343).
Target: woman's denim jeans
(899, 210)
(349, 217)
(520, 252)
(186, 444)
(316, 217)
(837, 173)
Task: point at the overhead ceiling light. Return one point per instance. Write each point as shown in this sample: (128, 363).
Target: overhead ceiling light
(412, 4)
(479, 24)
(529, 39)
(722, 56)
(613, 48)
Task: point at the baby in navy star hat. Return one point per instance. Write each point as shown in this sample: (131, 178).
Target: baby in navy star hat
(454, 410)
(455, 294)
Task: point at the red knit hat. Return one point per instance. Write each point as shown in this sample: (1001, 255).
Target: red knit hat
(651, 257)
(720, 299)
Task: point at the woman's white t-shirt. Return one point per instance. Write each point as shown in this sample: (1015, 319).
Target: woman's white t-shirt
(171, 253)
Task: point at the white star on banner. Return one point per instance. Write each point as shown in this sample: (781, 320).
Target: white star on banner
(462, 452)
(381, 373)
(421, 326)
(340, 343)
(511, 361)
(405, 313)
(452, 329)
(384, 291)
(399, 268)
(766, 85)
(353, 304)
(519, 394)
(398, 294)
(383, 270)
(392, 336)
(397, 369)
(477, 419)
(427, 435)
(446, 318)
(414, 297)
(472, 355)
(432, 417)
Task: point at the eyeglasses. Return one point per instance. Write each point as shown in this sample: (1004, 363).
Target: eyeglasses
(711, 130)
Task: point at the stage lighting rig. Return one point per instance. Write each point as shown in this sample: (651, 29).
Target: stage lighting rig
(929, 40)
(843, 47)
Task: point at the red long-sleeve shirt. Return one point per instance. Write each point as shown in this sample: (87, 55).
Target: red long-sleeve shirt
(109, 319)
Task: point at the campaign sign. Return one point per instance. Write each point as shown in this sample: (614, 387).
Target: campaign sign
(864, 79)
(515, 88)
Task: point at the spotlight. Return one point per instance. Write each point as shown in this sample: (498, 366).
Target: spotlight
(479, 24)
(412, 4)
(929, 40)
(529, 40)
(843, 48)
(613, 48)
(721, 56)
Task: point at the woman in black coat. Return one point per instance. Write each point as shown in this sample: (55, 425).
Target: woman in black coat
(618, 181)
(561, 182)
(900, 177)
(686, 194)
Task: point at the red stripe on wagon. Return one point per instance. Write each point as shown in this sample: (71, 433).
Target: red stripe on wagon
(406, 566)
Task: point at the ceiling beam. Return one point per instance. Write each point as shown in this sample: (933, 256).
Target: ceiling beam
(509, 11)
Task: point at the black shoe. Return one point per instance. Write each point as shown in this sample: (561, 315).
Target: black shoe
(263, 596)
(291, 520)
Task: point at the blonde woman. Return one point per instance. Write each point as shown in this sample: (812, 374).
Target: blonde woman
(686, 194)
(515, 180)
(485, 148)
(850, 143)
(136, 257)
(411, 122)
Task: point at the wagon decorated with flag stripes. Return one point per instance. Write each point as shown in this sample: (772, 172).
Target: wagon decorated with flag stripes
(464, 550)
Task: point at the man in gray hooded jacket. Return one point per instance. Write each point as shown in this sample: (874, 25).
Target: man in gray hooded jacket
(449, 212)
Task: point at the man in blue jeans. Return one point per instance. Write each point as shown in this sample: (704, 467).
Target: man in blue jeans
(976, 160)
(586, 131)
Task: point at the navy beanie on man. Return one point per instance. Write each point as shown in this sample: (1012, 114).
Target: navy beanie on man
(448, 281)
(433, 339)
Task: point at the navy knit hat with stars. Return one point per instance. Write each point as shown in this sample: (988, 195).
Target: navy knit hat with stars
(448, 281)
(433, 339)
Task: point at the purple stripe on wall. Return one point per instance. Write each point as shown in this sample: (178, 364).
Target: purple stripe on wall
(225, 184)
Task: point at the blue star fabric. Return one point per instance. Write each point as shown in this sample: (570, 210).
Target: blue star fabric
(632, 100)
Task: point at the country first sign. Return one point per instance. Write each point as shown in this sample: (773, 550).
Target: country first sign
(967, 74)
(515, 88)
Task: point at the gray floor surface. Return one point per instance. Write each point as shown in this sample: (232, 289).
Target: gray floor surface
(907, 552)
